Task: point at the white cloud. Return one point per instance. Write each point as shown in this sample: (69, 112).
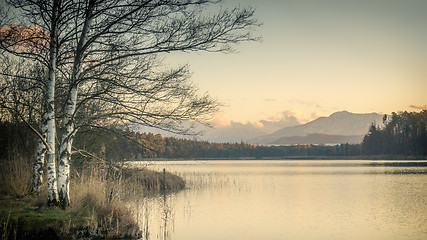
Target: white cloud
(219, 121)
(268, 125)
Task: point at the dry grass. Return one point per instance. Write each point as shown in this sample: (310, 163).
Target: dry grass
(15, 176)
(88, 183)
(148, 182)
(98, 208)
(91, 192)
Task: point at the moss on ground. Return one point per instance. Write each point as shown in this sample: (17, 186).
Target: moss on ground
(21, 220)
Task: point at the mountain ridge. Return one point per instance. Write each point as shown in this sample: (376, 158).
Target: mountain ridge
(341, 123)
(339, 127)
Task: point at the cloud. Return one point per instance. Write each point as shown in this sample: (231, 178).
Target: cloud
(284, 116)
(419, 106)
(316, 115)
(270, 124)
(219, 121)
(248, 124)
(294, 117)
(258, 124)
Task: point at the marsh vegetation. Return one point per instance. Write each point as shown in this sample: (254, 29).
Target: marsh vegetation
(100, 208)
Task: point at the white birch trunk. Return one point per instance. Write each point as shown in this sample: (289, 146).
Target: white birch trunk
(40, 158)
(69, 121)
(38, 166)
(50, 114)
(65, 150)
(51, 135)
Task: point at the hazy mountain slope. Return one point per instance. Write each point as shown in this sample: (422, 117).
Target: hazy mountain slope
(318, 138)
(340, 123)
(232, 134)
(235, 132)
(348, 127)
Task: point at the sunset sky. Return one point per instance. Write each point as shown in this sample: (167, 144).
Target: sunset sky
(317, 57)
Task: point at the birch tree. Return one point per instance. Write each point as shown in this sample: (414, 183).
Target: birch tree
(34, 36)
(109, 54)
(21, 98)
(115, 63)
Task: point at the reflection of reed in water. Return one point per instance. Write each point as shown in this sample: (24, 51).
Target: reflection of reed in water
(155, 216)
(167, 214)
(150, 205)
(142, 216)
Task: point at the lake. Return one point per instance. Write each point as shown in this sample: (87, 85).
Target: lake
(287, 199)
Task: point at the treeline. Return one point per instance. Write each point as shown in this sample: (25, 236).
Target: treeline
(129, 145)
(403, 133)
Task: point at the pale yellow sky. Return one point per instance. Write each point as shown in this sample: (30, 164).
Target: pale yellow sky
(318, 57)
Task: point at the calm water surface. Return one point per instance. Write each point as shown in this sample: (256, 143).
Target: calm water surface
(301, 199)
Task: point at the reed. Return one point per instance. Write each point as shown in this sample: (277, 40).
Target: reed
(15, 176)
(147, 182)
(99, 195)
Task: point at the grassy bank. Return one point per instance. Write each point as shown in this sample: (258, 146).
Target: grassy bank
(98, 202)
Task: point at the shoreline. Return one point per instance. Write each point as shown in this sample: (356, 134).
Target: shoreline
(21, 218)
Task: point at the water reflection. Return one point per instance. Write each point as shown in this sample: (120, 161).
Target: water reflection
(290, 200)
(167, 216)
(155, 216)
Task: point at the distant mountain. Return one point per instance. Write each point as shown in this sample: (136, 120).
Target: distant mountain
(351, 125)
(340, 127)
(238, 132)
(235, 132)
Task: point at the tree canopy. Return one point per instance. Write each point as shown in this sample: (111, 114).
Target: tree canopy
(101, 62)
(404, 133)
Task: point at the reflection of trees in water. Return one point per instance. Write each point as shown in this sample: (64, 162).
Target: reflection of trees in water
(167, 215)
(155, 216)
(142, 216)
